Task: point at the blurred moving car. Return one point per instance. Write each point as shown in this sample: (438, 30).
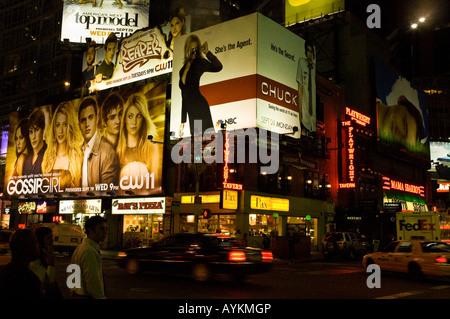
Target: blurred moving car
(4, 241)
(200, 255)
(344, 243)
(416, 257)
(66, 237)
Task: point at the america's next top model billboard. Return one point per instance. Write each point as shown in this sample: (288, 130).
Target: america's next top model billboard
(96, 19)
(248, 72)
(96, 145)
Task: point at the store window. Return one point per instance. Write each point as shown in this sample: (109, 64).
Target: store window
(224, 224)
(260, 224)
(140, 230)
(303, 227)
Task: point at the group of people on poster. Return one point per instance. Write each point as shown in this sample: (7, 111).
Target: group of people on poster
(89, 147)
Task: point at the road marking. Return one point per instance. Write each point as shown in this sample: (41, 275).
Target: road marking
(440, 287)
(402, 294)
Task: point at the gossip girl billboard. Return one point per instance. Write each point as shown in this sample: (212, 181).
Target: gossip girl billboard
(96, 19)
(243, 73)
(93, 146)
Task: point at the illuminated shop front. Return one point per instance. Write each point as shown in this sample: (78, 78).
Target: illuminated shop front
(411, 197)
(31, 212)
(300, 216)
(252, 213)
(142, 219)
(212, 216)
(77, 211)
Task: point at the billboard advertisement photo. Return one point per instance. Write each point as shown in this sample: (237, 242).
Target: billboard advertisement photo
(92, 146)
(401, 112)
(96, 19)
(242, 73)
(140, 56)
(144, 54)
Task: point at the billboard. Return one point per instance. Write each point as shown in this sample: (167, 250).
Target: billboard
(138, 57)
(93, 146)
(440, 156)
(242, 73)
(96, 19)
(144, 54)
(402, 116)
(302, 10)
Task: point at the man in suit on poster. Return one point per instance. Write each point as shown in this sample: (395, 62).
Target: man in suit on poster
(100, 161)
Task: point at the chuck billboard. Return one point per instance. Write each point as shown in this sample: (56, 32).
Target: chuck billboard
(244, 73)
(96, 19)
(93, 146)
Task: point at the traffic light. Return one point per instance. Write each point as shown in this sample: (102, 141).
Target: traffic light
(206, 213)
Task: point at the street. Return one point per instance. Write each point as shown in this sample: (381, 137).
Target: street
(320, 279)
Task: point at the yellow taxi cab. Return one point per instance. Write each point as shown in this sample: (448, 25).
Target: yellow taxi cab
(418, 258)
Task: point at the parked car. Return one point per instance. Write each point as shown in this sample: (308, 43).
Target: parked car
(66, 237)
(344, 243)
(4, 241)
(200, 255)
(415, 257)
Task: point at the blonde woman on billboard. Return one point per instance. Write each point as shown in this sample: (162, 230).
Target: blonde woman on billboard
(64, 157)
(194, 103)
(23, 146)
(137, 155)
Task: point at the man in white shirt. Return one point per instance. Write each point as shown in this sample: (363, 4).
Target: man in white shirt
(306, 78)
(87, 257)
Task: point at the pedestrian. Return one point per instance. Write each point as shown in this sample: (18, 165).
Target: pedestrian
(266, 242)
(17, 281)
(44, 265)
(87, 257)
(244, 242)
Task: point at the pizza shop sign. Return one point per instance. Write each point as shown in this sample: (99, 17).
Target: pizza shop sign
(149, 205)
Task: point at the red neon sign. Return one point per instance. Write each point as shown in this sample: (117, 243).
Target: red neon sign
(389, 183)
(226, 170)
(359, 118)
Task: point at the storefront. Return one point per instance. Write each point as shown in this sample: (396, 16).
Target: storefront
(143, 220)
(251, 213)
(270, 215)
(77, 211)
(31, 213)
(212, 216)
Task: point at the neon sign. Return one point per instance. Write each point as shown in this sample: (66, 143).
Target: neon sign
(443, 188)
(348, 126)
(359, 118)
(389, 184)
(226, 170)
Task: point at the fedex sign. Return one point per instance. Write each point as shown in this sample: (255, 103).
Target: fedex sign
(421, 225)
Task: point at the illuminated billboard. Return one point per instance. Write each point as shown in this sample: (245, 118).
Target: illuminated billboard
(144, 54)
(440, 155)
(243, 73)
(402, 119)
(93, 146)
(95, 20)
(140, 56)
(303, 10)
